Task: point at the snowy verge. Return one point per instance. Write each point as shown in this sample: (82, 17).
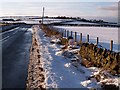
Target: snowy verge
(63, 68)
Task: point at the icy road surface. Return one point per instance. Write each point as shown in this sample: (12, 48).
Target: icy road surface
(15, 56)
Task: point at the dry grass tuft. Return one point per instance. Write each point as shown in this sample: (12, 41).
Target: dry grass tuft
(50, 31)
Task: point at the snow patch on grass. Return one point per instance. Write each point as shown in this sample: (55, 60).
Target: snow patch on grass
(67, 65)
(30, 29)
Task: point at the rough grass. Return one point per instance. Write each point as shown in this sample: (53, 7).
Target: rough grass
(64, 41)
(50, 31)
(3, 24)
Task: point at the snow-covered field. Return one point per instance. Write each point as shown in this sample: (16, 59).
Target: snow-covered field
(36, 21)
(105, 34)
(45, 21)
(80, 22)
(59, 71)
(48, 21)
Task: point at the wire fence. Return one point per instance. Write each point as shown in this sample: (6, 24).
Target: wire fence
(79, 37)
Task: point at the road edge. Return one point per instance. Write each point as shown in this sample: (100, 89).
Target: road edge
(36, 78)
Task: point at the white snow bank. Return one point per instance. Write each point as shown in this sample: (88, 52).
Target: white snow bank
(114, 81)
(30, 29)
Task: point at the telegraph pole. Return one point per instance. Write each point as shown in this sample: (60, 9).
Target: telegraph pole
(43, 15)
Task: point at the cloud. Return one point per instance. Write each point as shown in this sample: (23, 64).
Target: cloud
(109, 8)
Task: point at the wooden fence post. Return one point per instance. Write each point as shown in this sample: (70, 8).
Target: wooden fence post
(62, 34)
(97, 41)
(80, 37)
(87, 38)
(111, 45)
(71, 33)
(67, 33)
(75, 36)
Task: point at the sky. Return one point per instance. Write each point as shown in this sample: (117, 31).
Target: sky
(73, 8)
(59, 0)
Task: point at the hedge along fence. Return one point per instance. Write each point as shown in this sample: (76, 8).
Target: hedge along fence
(94, 56)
